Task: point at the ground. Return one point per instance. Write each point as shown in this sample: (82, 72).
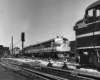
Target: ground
(9, 75)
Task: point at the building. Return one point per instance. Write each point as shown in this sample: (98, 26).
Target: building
(4, 51)
(16, 51)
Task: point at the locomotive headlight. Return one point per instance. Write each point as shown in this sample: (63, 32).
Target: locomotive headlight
(85, 53)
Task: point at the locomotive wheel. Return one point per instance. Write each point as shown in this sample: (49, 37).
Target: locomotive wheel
(96, 63)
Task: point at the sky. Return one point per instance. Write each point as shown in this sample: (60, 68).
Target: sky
(40, 20)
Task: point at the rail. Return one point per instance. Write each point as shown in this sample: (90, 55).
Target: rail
(76, 73)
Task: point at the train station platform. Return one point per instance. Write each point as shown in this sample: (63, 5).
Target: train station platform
(9, 75)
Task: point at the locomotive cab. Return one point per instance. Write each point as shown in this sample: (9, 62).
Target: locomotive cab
(88, 36)
(62, 47)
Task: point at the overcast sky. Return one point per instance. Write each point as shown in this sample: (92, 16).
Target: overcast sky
(41, 20)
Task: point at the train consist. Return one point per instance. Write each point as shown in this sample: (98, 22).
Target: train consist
(87, 32)
(55, 48)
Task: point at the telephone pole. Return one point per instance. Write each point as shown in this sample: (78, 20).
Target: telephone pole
(22, 47)
(12, 45)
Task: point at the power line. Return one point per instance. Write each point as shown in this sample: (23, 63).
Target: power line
(16, 42)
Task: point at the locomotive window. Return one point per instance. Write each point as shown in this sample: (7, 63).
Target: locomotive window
(97, 12)
(89, 14)
(55, 45)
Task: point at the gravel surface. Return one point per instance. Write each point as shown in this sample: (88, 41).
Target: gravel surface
(9, 75)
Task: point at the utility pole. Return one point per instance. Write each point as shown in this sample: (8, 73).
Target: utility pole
(12, 45)
(22, 47)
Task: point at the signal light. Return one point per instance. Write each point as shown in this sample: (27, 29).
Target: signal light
(23, 37)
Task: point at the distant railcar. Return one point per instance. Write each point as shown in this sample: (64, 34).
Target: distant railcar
(57, 48)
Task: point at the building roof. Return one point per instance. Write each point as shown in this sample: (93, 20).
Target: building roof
(97, 3)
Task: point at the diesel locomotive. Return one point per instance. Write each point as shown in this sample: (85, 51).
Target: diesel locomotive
(87, 32)
(55, 48)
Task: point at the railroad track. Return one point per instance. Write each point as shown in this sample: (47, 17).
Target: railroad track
(29, 72)
(78, 74)
(48, 73)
